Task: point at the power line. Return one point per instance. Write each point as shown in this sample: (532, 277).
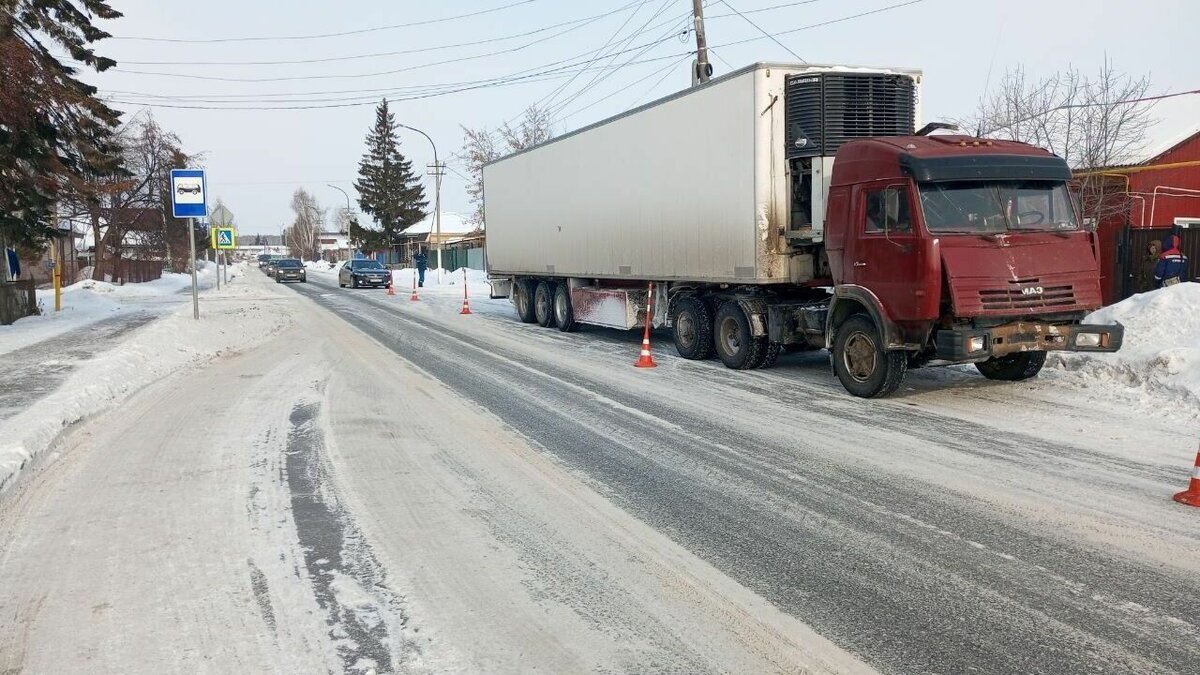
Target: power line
(603, 75)
(549, 98)
(760, 29)
(354, 57)
(1091, 104)
(607, 71)
(360, 31)
(361, 75)
(521, 76)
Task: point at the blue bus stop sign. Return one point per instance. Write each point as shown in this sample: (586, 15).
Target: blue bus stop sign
(189, 193)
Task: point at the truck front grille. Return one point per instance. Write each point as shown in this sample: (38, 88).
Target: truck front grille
(1027, 294)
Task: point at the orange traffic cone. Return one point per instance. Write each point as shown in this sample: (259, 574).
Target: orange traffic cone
(1191, 496)
(466, 308)
(646, 360)
(414, 297)
(391, 286)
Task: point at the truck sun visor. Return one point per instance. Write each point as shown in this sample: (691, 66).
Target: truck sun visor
(985, 167)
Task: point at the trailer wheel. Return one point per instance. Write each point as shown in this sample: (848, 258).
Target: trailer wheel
(1014, 367)
(543, 303)
(523, 299)
(564, 315)
(693, 328)
(736, 345)
(863, 366)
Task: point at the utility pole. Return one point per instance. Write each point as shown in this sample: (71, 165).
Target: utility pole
(437, 195)
(437, 170)
(701, 69)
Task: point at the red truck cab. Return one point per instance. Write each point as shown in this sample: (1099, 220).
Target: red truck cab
(955, 250)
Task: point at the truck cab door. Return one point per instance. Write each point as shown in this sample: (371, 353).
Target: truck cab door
(884, 249)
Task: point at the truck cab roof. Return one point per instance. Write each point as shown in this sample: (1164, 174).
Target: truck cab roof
(944, 158)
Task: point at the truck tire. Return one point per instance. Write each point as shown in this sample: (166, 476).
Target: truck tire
(693, 328)
(564, 314)
(1014, 367)
(736, 345)
(863, 366)
(523, 300)
(771, 355)
(543, 304)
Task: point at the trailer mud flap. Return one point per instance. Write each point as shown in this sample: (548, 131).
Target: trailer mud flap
(501, 288)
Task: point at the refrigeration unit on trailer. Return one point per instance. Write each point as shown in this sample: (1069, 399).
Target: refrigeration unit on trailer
(797, 206)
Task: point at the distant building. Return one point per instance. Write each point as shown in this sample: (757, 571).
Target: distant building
(458, 237)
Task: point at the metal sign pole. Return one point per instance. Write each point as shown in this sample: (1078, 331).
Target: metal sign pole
(192, 246)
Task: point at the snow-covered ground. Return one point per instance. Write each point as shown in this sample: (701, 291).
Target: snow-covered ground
(232, 319)
(1160, 358)
(89, 301)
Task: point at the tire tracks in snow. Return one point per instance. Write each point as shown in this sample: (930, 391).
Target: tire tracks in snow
(911, 577)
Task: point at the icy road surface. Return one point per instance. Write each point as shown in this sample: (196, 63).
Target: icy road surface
(390, 486)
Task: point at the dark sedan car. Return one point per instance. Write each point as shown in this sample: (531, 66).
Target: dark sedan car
(290, 269)
(357, 273)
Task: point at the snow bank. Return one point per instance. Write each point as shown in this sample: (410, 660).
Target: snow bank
(1161, 353)
(476, 280)
(246, 316)
(321, 265)
(89, 301)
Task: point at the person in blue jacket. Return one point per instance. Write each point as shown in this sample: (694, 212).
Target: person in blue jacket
(421, 260)
(1172, 266)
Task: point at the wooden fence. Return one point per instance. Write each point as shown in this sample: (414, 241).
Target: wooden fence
(17, 300)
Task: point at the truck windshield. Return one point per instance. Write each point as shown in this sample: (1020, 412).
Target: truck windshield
(973, 207)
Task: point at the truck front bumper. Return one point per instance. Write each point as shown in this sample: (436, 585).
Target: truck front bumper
(967, 344)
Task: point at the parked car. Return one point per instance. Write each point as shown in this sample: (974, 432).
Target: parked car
(355, 273)
(290, 269)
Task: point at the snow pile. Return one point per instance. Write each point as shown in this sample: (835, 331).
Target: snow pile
(89, 301)
(246, 315)
(320, 265)
(476, 280)
(1161, 353)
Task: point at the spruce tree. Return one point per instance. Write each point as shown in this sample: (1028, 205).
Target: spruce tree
(56, 137)
(387, 187)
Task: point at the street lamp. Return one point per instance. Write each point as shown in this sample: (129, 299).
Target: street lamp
(437, 196)
(347, 202)
(347, 220)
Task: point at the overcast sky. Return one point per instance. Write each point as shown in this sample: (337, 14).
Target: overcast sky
(256, 158)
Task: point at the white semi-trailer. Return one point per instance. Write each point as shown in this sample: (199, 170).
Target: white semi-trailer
(726, 197)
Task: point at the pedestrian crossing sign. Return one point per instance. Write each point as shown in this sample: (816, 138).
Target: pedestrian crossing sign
(224, 238)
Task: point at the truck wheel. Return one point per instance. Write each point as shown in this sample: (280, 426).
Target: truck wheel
(564, 315)
(543, 304)
(864, 367)
(523, 299)
(693, 328)
(1014, 367)
(736, 345)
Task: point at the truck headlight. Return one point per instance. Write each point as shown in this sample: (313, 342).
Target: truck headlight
(976, 344)
(1088, 339)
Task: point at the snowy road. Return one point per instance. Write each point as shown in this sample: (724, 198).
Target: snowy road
(390, 485)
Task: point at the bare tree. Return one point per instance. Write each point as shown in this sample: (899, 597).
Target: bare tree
(481, 146)
(136, 199)
(1092, 121)
(301, 237)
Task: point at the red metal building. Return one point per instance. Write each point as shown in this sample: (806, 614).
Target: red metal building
(1151, 196)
